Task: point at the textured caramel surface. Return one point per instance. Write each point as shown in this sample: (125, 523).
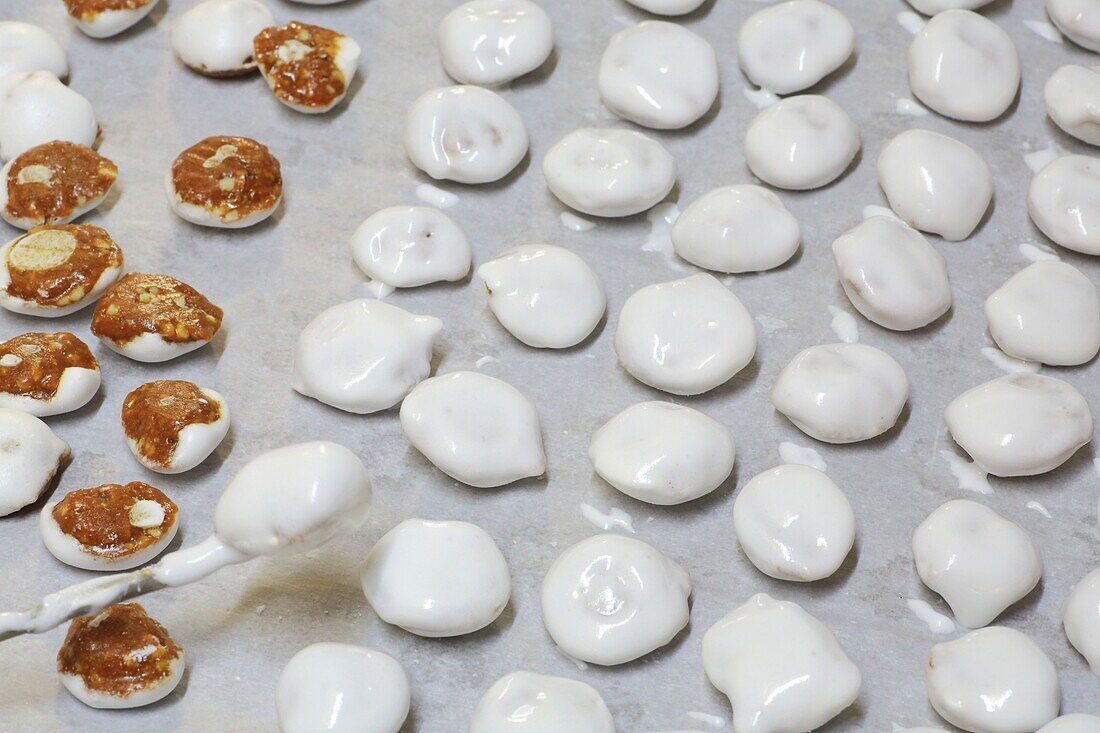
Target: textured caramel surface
(99, 518)
(299, 62)
(157, 304)
(88, 9)
(48, 183)
(58, 265)
(154, 414)
(231, 177)
(31, 364)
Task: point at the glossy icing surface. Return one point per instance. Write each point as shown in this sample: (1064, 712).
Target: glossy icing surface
(32, 455)
(36, 108)
(489, 42)
(1081, 619)
(525, 702)
(1064, 202)
(791, 46)
(1072, 97)
(409, 246)
(801, 143)
(27, 47)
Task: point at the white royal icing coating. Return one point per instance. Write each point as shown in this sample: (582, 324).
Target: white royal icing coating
(1072, 98)
(195, 441)
(409, 246)
(68, 550)
(667, 7)
(525, 702)
(801, 143)
(931, 7)
(1077, 723)
(1081, 619)
(27, 47)
(1064, 202)
(215, 36)
(489, 42)
(1079, 21)
(152, 348)
(76, 387)
(31, 455)
(36, 108)
(107, 23)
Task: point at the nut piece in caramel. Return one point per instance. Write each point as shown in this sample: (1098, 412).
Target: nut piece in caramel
(54, 184)
(173, 426)
(47, 373)
(225, 181)
(309, 68)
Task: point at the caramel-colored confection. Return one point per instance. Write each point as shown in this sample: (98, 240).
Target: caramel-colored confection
(58, 265)
(50, 182)
(154, 414)
(31, 364)
(231, 177)
(99, 518)
(88, 9)
(119, 651)
(156, 304)
(299, 63)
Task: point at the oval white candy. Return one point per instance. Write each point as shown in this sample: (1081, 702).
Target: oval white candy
(26, 47)
(31, 455)
(436, 578)
(195, 441)
(547, 297)
(1072, 98)
(215, 36)
(476, 429)
(667, 7)
(1081, 619)
(1078, 723)
(36, 108)
(793, 45)
(935, 183)
(107, 23)
(931, 7)
(1020, 424)
(685, 336)
(801, 143)
(1064, 202)
(490, 42)
(409, 246)
(1079, 21)
(525, 702)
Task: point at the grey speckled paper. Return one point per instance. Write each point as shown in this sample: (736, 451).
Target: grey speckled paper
(242, 625)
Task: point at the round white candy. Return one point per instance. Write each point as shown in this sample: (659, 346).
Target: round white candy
(610, 599)
(1079, 21)
(892, 275)
(26, 47)
(342, 688)
(736, 229)
(525, 702)
(490, 42)
(476, 429)
(667, 7)
(609, 172)
(31, 455)
(793, 45)
(545, 296)
(1020, 424)
(931, 7)
(993, 680)
(215, 36)
(436, 578)
(195, 442)
(935, 183)
(36, 108)
(1081, 619)
(1072, 97)
(685, 336)
(801, 143)
(1064, 202)
(364, 355)
(465, 134)
(107, 23)
(662, 453)
(409, 246)
(794, 523)
(841, 393)
(659, 75)
(964, 66)
(1078, 723)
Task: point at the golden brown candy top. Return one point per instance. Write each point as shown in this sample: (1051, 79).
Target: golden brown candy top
(49, 182)
(154, 414)
(100, 518)
(299, 62)
(32, 364)
(231, 177)
(58, 265)
(157, 304)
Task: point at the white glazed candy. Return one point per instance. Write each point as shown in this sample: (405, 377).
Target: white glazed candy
(609, 172)
(525, 702)
(994, 680)
(31, 455)
(931, 7)
(1079, 21)
(781, 668)
(1072, 97)
(436, 579)
(1081, 619)
(841, 393)
(26, 47)
(794, 523)
(342, 688)
(793, 45)
(409, 246)
(935, 183)
(214, 37)
(662, 453)
(891, 274)
(980, 562)
(685, 336)
(490, 42)
(667, 7)
(364, 355)
(36, 108)
(659, 74)
(476, 429)
(465, 134)
(1064, 202)
(105, 19)
(546, 296)
(1020, 424)
(610, 599)
(1048, 312)
(801, 143)
(734, 229)
(1077, 723)
(964, 66)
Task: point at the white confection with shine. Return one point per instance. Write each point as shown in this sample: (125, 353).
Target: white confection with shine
(611, 599)
(891, 274)
(841, 393)
(489, 42)
(68, 550)
(107, 23)
(1048, 312)
(994, 680)
(980, 562)
(364, 356)
(931, 7)
(152, 348)
(1072, 97)
(342, 688)
(659, 74)
(26, 47)
(667, 7)
(781, 668)
(1079, 21)
(1064, 202)
(76, 387)
(36, 108)
(608, 172)
(195, 443)
(16, 304)
(436, 579)
(801, 143)
(788, 47)
(525, 702)
(1020, 424)
(1081, 619)
(476, 429)
(935, 183)
(31, 455)
(465, 134)
(1077, 723)
(685, 336)
(794, 523)
(662, 453)
(546, 296)
(146, 694)
(409, 246)
(215, 36)
(735, 229)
